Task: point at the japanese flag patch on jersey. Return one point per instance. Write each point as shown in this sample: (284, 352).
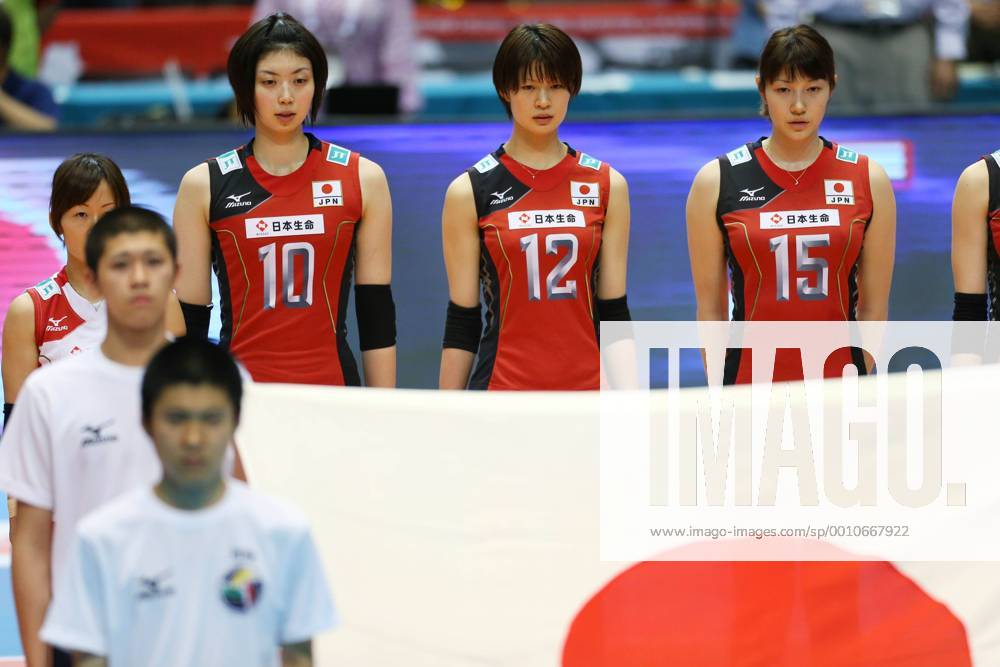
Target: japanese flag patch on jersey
(327, 193)
(585, 194)
(839, 192)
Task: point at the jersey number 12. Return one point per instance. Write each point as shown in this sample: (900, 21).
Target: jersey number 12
(294, 293)
(553, 242)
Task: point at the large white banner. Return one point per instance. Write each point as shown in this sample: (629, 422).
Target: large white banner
(463, 529)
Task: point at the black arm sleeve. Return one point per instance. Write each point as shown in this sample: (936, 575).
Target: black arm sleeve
(613, 310)
(462, 327)
(969, 307)
(376, 313)
(196, 319)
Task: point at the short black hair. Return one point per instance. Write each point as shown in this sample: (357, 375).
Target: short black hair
(6, 35)
(76, 180)
(797, 51)
(126, 220)
(541, 51)
(277, 32)
(192, 361)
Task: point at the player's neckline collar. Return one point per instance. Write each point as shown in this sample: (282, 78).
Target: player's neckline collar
(781, 176)
(538, 179)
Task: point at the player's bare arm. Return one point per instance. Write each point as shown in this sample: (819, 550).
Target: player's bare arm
(614, 241)
(705, 245)
(374, 261)
(31, 557)
(88, 660)
(460, 236)
(968, 230)
(194, 245)
(20, 354)
(298, 654)
(879, 250)
(175, 317)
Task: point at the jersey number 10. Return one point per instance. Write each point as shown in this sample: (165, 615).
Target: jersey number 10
(293, 295)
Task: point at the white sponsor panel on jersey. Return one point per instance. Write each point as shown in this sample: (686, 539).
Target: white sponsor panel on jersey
(327, 193)
(996, 157)
(589, 162)
(738, 156)
(486, 164)
(285, 225)
(338, 155)
(839, 192)
(554, 218)
(47, 289)
(229, 162)
(585, 194)
(821, 217)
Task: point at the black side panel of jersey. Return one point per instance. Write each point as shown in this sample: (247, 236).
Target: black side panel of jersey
(226, 314)
(348, 366)
(595, 275)
(490, 281)
(992, 252)
(235, 193)
(743, 186)
(495, 190)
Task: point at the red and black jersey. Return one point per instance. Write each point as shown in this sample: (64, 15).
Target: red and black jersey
(283, 251)
(993, 247)
(792, 247)
(540, 236)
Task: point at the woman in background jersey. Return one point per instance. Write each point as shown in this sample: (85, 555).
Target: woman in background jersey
(286, 219)
(975, 233)
(63, 315)
(807, 227)
(529, 225)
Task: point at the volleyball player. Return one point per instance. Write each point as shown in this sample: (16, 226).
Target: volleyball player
(64, 315)
(196, 570)
(286, 219)
(975, 231)
(541, 229)
(806, 226)
(76, 439)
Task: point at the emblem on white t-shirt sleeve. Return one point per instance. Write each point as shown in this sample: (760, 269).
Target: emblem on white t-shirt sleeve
(839, 192)
(241, 588)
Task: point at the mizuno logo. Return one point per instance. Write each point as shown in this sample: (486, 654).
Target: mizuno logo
(94, 435)
(56, 324)
(501, 197)
(155, 587)
(237, 201)
(751, 195)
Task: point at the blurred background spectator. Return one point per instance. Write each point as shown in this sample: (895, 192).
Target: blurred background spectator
(371, 45)
(893, 55)
(25, 104)
(984, 31)
(163, 61)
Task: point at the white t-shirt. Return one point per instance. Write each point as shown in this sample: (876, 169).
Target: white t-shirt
(75, 441)
(152, 585)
